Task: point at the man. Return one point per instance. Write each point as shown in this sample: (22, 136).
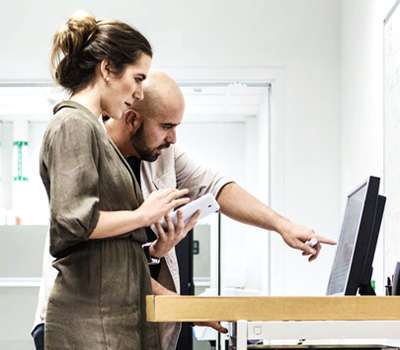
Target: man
(146, 135)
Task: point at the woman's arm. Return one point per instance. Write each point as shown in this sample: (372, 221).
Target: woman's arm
(156, 206)
(114, 223)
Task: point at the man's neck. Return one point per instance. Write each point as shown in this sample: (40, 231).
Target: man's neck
(125, 148)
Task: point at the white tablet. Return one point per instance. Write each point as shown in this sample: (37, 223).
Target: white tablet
(206, 204)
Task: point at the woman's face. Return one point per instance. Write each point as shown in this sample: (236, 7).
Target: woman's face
(122, 90)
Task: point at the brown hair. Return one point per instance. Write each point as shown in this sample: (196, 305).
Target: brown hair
(83, 42)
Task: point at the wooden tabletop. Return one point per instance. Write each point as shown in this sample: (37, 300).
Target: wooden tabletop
(332, 308)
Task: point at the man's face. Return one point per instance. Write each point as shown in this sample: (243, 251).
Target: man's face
(155, 134)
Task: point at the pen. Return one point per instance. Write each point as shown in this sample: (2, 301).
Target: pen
(388, 287)
(312, 242)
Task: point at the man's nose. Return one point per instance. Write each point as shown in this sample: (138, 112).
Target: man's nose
(171, 138)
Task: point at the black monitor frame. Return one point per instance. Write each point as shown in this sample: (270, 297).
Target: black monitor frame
(365, 287)
(359, 270)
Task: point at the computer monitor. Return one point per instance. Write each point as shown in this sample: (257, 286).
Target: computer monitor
(365, 287)
(352, 267)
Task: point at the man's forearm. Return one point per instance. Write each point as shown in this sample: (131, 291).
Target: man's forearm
(240, 205)
(159, 289)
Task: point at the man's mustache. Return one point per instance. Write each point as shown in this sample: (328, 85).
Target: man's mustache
(165, 145)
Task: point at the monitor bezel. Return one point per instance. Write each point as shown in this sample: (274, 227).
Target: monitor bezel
(363, 234)
(365, 283)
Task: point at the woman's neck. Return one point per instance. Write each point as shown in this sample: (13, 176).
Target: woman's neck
(90, 99)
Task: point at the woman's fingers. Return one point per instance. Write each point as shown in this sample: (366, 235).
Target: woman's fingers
(178, 202)
(176, 194)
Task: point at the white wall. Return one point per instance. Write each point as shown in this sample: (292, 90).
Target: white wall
(301, 37)
(361, 87)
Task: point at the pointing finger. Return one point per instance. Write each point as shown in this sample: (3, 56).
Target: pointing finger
(325, 240)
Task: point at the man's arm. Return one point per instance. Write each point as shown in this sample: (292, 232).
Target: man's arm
(159, 289)
(240, 205)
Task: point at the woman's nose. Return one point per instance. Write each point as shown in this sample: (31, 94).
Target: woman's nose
(139, 95)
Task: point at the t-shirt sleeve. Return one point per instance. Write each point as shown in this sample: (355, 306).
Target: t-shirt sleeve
(198, 178)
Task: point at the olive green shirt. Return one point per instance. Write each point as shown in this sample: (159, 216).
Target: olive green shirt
(98, 299)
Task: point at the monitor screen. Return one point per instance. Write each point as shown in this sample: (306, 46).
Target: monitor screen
(354, 241)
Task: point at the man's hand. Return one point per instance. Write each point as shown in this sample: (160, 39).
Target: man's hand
(212, 324)
(240, 205)
(172, 235)
(296, 237)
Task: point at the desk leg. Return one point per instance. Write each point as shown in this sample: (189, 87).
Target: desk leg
(239, 335)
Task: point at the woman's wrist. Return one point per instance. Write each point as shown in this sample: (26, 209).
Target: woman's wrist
(141, 217)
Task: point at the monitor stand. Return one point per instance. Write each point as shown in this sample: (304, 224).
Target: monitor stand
(365, 286)
(366, 290)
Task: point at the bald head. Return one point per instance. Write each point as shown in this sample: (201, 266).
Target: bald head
(150, 126)
(162, 97)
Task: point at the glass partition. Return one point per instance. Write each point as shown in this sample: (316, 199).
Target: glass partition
(24, 112)
(2, 201)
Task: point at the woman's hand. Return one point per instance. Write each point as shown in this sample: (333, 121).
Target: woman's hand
(160, 203)
(171, 235)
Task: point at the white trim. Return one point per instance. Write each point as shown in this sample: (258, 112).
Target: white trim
(216, 118)
(12, 282)
(202, 281)
(389, 15)
(260, 74)
(27, 83)
(326, 332)
(275, 78)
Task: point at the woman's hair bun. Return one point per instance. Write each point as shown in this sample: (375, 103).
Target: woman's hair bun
(71, 38)
(79, 29)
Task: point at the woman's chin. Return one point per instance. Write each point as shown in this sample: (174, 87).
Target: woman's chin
(117, 114)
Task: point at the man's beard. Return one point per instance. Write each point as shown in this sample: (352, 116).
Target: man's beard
(144, 152)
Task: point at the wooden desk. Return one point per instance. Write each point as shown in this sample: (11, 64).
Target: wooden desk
(194, 308)
(240, 310)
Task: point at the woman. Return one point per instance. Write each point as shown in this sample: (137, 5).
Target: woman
(97, 213)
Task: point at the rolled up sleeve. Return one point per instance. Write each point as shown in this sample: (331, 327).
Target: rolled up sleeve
(72, 155)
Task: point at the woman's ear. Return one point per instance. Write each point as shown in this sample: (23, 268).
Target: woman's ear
(133, 120)
(105, 70)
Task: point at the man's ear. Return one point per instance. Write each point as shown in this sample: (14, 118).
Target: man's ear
(133, 120)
